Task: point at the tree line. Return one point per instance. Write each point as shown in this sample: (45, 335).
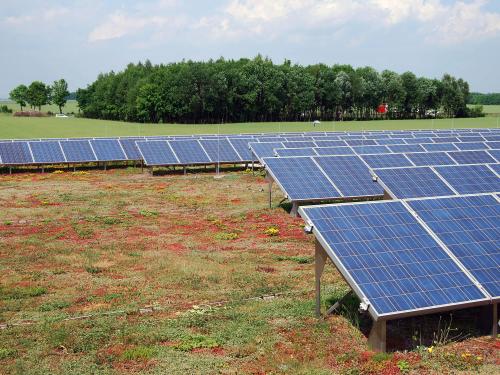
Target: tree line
(38, 94)
(484, 99)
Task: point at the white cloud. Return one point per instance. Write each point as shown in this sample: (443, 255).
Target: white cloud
(44, 16)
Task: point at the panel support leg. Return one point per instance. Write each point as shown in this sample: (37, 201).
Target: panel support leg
(270, 193)
(294, 212)
(105, 166)
(378, 335)
(10, 170)
(253, 168)
(185, 171)
(337, 304)
(142, 166)
(494, 328)
(320, 258)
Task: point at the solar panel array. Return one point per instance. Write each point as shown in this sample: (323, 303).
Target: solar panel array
(409, 257)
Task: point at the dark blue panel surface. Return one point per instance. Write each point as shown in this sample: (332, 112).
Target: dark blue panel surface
(471, 146)
(297, 144)
(363, 150)
(361, 142)
(241, 146)
(445, 139)
(468, 226)
(387, 160)
(470, 179)
(78, 151)
(283, 152)
(334, 150)
(413, 141)
(391, 141)
(130, 148)
(391, 258)
(330, 143)
(108, 150)
(301, 178)
(265, 150)
(189, 152)
(15, 153)
(47, 152)
(350, 175)
(471, 157)
(406, 148)
(220, 150)
(157, 153)
(495, 154)
(430, 158)
(413, 182)
(495, 167)
(431, 147)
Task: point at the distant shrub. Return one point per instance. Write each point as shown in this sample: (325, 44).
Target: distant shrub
(5, 109)
(30, 114)
(476, 111)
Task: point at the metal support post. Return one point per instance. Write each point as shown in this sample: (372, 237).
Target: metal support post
(494, 328)
(320, 258)
(294, 212)
(270, 193)
(378, 336)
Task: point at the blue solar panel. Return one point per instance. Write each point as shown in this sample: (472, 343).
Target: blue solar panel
(430, 158)
(496, 168)
(157, 153)
(130, 148)
(413, 182)
(220, 150)
(406, 148)
(495, 154)
(390, 258)
(468, 226)
(469, 138)
(445, 139)
(361, 142)
(493, 145)
(334, 150)
(241, 146)
(15, 153)
(189, 152)
(387, 161)
(265, 150)
(329, 138)
(466, 146)
(108, 150)
(432, 147)
(296, 144)
(492, 138)
(298, 139)
(301, 178)
(350, 175)
(470, 179)
(363, 150)
(47, 152)
(471, 157)
(412, 141)
(78, 151)
(330, 143)
(390, 141)
(283, 152)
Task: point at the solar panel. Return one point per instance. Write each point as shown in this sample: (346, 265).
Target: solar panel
(334, 150)
(412, 141)
(15, 153)
(330, 143)
(467, 146)
(496, 168)
(241, 146)
(284, 152)
(390, 141)
(350, 175)
(264, 150)
(78, 151)
(298, 139)
(220, 150)
(492, 138)
(361, 142)
(445, 139)
(471, 138)
(157, 153)
(432, 147)
(406, 148)
(468, 226)
(362, 150)
(493, 145)
(108, 150)
(470, 179)
(130, 148)
(430, 158)
(389, 258)
(495, 154)
(297, 144)
(413, 182)
(47, 152)
(189, 152)
(301, 178)
(387, 161)
(471, 157)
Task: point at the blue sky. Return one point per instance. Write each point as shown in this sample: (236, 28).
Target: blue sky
(76, 40)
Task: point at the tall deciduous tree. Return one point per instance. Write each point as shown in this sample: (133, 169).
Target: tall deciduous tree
(20, 95)
(60, 93)
(38, 94)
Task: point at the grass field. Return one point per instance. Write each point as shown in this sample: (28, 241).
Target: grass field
(70, 107)
(119, 272)
(22, 128)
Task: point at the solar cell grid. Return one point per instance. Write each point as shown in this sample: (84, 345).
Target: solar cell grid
(445, 139)
(130, 148)
(387, 161)
(189, 152)
(330, 143)
(468, 226)
(301, 178)
(433, 147)
(390, 141)
(108, 150)
(78, 151)
(406, 148)
(264, 150)
(157, 153)
(416, 182)
(285, 152)
(362, 150)
(495, 168)
(470, 179)
(471, 157)
(47, 152)
(350, 175)
(220, 150)
(493, 145)
(466, 146)
(430, 158)
(298, 144)
(413, 141)
(361, 142)
(15, 153)
(387, 255)
(334, 150)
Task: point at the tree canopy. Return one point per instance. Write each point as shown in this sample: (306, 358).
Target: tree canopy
(19, 95)
(256, 89)
(60, 93)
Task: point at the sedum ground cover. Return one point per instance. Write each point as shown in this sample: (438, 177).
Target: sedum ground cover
(120, 272)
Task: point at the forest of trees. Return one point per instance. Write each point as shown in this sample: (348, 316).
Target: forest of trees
(484, 99)
(258, 90)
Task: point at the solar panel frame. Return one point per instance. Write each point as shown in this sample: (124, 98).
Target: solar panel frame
(47, 152)
(108, 150)
(78, 151)
(387, 160)
(220, 150)
(287, 152)
(157, 153)
(470, 179)
(361, 281)
(430, 158)
(436, 147)
(406, 148)
(471, 157)
(16, 153)
(189, 152)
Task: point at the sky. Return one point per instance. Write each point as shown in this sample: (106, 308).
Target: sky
(51, 39)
